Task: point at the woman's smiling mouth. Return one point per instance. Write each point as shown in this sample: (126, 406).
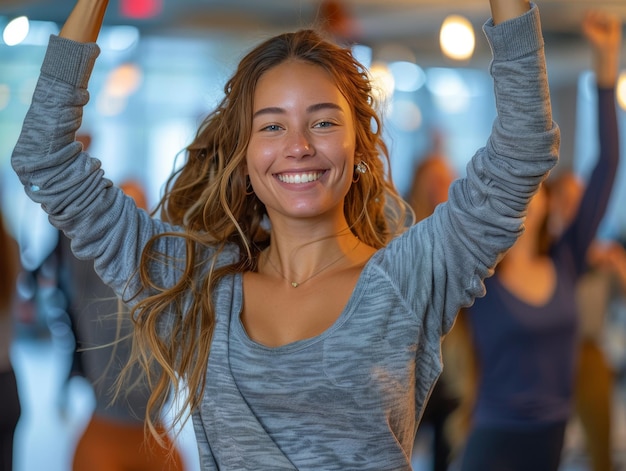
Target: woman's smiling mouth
(304, 177)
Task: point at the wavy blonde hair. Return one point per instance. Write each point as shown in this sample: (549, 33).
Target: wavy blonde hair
(207, 196)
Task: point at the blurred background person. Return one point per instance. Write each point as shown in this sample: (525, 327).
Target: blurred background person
(606, 272)
(604, 279)
(431, 181)
(335, 17)
(10, 409)
(525, 330)
(115, 438)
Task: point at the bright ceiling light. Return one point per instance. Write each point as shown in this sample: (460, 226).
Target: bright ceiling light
(456, 38)
(16, 31)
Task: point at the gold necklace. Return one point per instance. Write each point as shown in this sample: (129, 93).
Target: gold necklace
(295, 284)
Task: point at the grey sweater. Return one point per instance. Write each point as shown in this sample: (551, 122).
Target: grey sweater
(351, 397)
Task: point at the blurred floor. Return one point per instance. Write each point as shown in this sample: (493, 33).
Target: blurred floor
(52, 420)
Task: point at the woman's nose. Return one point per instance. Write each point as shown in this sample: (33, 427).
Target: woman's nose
(299, 145)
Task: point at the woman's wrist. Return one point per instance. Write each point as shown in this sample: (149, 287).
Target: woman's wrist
(606, 68)
(503, 10)
(85, 20)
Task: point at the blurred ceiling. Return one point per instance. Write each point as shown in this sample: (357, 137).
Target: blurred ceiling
(376, 19)
(413, 23)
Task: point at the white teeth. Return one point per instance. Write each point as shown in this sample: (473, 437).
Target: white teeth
(300, 177)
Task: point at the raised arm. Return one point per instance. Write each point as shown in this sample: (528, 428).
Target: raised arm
(64, 178)
(85, 21)
(604, 33)
(502, 10)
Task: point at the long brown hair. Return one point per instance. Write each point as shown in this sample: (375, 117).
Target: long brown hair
(208, 198)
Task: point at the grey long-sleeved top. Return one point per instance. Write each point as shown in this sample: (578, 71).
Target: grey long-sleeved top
(351, 397)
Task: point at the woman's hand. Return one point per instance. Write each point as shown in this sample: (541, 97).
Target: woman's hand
(611, 257)
(604, 33)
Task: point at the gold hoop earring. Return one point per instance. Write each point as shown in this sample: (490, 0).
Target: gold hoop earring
(249, 189)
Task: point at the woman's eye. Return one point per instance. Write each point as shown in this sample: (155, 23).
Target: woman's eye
(324, 124)
(271, 127)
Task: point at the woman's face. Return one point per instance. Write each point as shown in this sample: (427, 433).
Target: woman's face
(300, 157)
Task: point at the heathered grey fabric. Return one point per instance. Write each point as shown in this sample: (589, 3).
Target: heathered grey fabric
(350, 398)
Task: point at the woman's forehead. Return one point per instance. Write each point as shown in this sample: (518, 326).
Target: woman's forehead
(297, 82)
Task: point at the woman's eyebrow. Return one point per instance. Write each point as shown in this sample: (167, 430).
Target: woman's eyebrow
(310, 109)
(323, 106)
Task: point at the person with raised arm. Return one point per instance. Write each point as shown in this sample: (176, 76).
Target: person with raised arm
(524, 334)
(281, 285)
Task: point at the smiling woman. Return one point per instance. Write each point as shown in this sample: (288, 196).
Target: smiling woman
(284, 186)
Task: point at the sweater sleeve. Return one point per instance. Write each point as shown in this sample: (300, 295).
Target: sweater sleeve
(104, 224)
(583, 229)
(455, 249)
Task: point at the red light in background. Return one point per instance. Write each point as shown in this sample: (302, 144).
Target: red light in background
(140, 9)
